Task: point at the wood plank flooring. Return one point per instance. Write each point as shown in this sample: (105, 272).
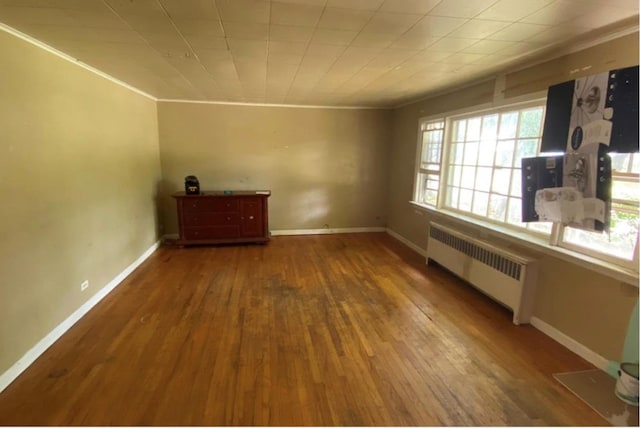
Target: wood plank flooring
(350, 329)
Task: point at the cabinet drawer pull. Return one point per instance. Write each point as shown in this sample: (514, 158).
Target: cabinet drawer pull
(229, 218)
(250, 217)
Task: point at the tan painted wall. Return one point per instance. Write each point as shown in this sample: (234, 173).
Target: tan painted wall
(588, 307)
(326, 168)
(78, 173)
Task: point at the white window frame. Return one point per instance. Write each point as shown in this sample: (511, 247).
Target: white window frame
(628, 263)
(446, 153)
(417, 185)
(548, 242)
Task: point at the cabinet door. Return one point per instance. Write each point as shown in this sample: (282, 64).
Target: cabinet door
(252, 217)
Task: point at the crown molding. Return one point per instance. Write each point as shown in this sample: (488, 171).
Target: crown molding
(165, 100)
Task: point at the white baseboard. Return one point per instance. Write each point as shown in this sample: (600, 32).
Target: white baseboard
(571, 344)
(408, 243)
(285, 232)
(32, 354)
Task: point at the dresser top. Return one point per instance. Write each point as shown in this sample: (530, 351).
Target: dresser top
(223, 193)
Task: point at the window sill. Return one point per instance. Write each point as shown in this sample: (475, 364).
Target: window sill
(487, 230)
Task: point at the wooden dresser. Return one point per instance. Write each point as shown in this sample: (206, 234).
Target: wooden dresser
(216, 217)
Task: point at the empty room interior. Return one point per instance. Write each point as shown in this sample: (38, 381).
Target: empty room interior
(319, 212)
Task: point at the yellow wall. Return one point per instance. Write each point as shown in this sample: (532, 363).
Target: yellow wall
(326, 168)
(591, 308)
(78, 174)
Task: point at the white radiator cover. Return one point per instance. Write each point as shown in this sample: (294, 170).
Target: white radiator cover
(507, 277)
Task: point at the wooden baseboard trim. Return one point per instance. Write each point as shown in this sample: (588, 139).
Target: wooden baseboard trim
(32, 354)
(570, 343)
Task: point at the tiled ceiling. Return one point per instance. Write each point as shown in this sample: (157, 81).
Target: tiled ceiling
(310, 52)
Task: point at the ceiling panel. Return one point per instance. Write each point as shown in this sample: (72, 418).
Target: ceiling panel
(408, 6)
(560, 11)
(344, 19)
(512, 10)
(244, 10)
(193, 9)
(137, 7)
(295, 14)
(518, 32)
(371, 5)
(488, 46)
(357, 52)
(451, 44)
(201, 27)
(334, 37)
(460, 8)
(478, 29)
(245, 30)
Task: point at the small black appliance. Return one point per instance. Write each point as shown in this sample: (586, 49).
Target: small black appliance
(191, 185)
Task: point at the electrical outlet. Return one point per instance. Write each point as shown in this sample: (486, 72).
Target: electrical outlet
(84, 285)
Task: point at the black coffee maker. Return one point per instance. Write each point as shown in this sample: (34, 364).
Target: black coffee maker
(191, 185)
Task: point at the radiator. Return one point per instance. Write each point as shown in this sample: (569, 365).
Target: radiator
(507, 277)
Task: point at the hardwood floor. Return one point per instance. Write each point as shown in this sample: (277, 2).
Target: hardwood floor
(349, 329)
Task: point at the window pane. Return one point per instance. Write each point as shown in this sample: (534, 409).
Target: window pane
(618, 244)
(635, 163)
(627, 190)
(504, 153)
(457, 152)
(620, 161)
(428, 177)
(470, 154)
(480, 203)
(525, 149)
(484, 162)
(468, 176)
(515, 211)
(530, 122)
(428, 188)
(489, 127)
(497, 207)
(430, 197)
(483, 179)
(516, 183)
(431, 149)
(508, 125)
(433, 182)
(459, 130)
(466, 196)
(433, 125)
(473, 129)
(486, 151)
(501, 177)
(625, 217)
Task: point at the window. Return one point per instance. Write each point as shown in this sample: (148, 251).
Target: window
(471, 165)
(621, 241)
(483, 164)
(430, 153)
